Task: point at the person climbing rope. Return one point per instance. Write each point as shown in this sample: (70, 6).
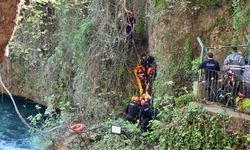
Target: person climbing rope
(130, 21)
(145, 116)
(132, 110)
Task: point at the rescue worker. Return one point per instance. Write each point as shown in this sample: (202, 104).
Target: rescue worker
(147, 98)
(145, 116)
(132, 110)
(211, 67)
(130, 21)
(150, 79)
(147, 62)
(235, 59)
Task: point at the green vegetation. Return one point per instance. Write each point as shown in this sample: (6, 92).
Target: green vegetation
(70, 62)
(184, 99)
(73, 55)
(240, 19)
(180, 69)
(140, 18)
(209, 4)
(174, 128)
(195, 65)
(159, 3)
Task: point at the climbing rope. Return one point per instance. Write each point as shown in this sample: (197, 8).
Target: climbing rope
(19, 114)
(15, 106)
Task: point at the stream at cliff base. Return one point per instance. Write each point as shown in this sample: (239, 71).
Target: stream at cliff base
(14, 134)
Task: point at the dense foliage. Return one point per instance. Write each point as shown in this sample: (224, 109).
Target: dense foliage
(174, 128)
(75, 55)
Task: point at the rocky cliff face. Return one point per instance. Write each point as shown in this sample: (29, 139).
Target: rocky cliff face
(9, 10)
(8, 14)
(174, 28)
(75, 54)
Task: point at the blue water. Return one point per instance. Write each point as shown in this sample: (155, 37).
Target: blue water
(14, 134)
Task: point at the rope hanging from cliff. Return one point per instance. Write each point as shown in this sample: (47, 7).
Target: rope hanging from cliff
(19, 114)
(15, 106)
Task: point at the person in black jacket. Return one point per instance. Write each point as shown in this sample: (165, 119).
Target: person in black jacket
(132, 110)
(211, 67)
(147, 62)
(145, 116)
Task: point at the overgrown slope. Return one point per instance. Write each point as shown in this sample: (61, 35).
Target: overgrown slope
(74, 54)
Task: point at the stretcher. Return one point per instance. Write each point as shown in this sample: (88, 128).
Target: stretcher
(139, 73)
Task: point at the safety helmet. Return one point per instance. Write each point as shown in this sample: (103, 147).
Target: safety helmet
(143, 95)
(143, 103)
(134, 99)
(150, 70)
(147, 96)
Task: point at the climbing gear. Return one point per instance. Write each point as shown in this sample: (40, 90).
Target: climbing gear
(77, 128)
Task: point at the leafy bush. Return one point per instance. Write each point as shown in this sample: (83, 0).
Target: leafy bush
(184, 99)
(127, 140)
(158, 3)
(195, 65)
(174, 129)
(194, 129)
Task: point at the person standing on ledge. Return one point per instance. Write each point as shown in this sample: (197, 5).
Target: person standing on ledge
(235, 59)
(211, 68)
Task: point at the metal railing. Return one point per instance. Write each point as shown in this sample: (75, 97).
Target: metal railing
(225, 86)
(204, 49)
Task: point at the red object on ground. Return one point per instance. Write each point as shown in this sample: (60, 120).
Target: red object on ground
(77, 128)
